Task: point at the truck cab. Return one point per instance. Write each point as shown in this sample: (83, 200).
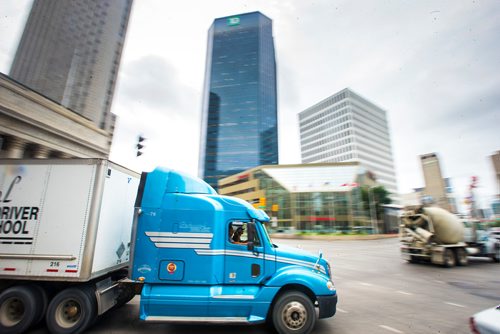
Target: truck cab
(202, 257)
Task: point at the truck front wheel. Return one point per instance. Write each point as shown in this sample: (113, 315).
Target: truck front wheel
(19, 309)
(294, 313)
(72, 311)
(448, 258)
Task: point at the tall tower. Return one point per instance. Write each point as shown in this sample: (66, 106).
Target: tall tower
(435, 184)
(495, 158)
(348, 127)
(70, 52)
(239, 118)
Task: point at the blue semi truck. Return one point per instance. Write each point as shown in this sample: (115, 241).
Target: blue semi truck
(202, 257)
(73, 246)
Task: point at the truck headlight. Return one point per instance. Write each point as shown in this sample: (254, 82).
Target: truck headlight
(329, 270)
(330, 286)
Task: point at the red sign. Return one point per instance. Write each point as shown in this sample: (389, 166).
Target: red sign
(321, 218)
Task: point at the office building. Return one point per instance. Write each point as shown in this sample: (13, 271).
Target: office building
(495, 159)
(313, 197)
(437, 189)
(70, 52)
(239, 118)
(348, 127)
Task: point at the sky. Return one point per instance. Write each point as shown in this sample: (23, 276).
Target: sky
(434, 66)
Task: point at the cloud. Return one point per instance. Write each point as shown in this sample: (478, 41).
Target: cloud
(151, 81)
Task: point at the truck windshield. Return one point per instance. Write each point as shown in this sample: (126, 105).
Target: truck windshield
(266, 237)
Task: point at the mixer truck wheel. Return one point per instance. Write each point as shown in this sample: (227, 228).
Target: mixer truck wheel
(496, 256)
(72, 311)
(19, 309)
(413, 259)
(448, 258)
(462, 259)
(294, 313)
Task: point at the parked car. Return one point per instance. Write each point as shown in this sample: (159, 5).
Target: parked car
(486, 321)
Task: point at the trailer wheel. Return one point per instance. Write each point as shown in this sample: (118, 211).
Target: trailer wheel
(448, 258)
(71, 311)
(462, 259)
(19, 309)
(294, 313)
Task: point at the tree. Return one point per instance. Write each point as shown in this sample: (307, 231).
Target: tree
(378, 195)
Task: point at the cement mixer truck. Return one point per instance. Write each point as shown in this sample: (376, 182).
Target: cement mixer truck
(432, 234)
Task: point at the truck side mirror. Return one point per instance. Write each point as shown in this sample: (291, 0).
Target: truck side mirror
(250, 246)
(251, 235)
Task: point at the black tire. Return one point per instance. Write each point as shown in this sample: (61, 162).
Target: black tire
(413, 259)
(294, 313)
(461, 257)
(496, 256)
(448, 258)
(19, 309)
(72, 311)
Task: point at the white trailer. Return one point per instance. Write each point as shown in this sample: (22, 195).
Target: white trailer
(65, 228)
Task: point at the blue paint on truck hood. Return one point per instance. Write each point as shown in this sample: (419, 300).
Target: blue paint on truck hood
(286, 255)
(295, 253)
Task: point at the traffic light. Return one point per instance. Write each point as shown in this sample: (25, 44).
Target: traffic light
(140, 145)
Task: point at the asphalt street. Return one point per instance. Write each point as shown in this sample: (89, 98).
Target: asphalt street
(378, 293)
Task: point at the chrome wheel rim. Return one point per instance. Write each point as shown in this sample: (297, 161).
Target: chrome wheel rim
(68, 313)
(294, 315)
(11, 312)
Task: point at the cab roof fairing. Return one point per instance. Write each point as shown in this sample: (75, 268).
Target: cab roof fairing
(163, 181)
(228, 202)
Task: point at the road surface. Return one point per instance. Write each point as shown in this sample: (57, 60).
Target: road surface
(378, 294)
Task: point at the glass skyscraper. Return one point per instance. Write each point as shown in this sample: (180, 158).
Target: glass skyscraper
(239, 119)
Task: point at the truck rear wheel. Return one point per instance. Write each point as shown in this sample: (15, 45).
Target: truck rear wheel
(294, 313)
(462, 259)
(20, 308)
(72, 311)
(448, 258)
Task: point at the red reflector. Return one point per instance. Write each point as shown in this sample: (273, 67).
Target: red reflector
(52, 270)
(9, 269)
(71, 270)
(472, 325)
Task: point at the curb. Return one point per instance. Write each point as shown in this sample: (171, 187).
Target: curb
(334, 237)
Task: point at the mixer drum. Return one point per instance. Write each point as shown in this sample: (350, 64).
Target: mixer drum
(447, 227)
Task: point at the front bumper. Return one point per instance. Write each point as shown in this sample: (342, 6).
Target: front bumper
(327, 306)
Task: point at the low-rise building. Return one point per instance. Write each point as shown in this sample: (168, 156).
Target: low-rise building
(322, 197)
(34, 126)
